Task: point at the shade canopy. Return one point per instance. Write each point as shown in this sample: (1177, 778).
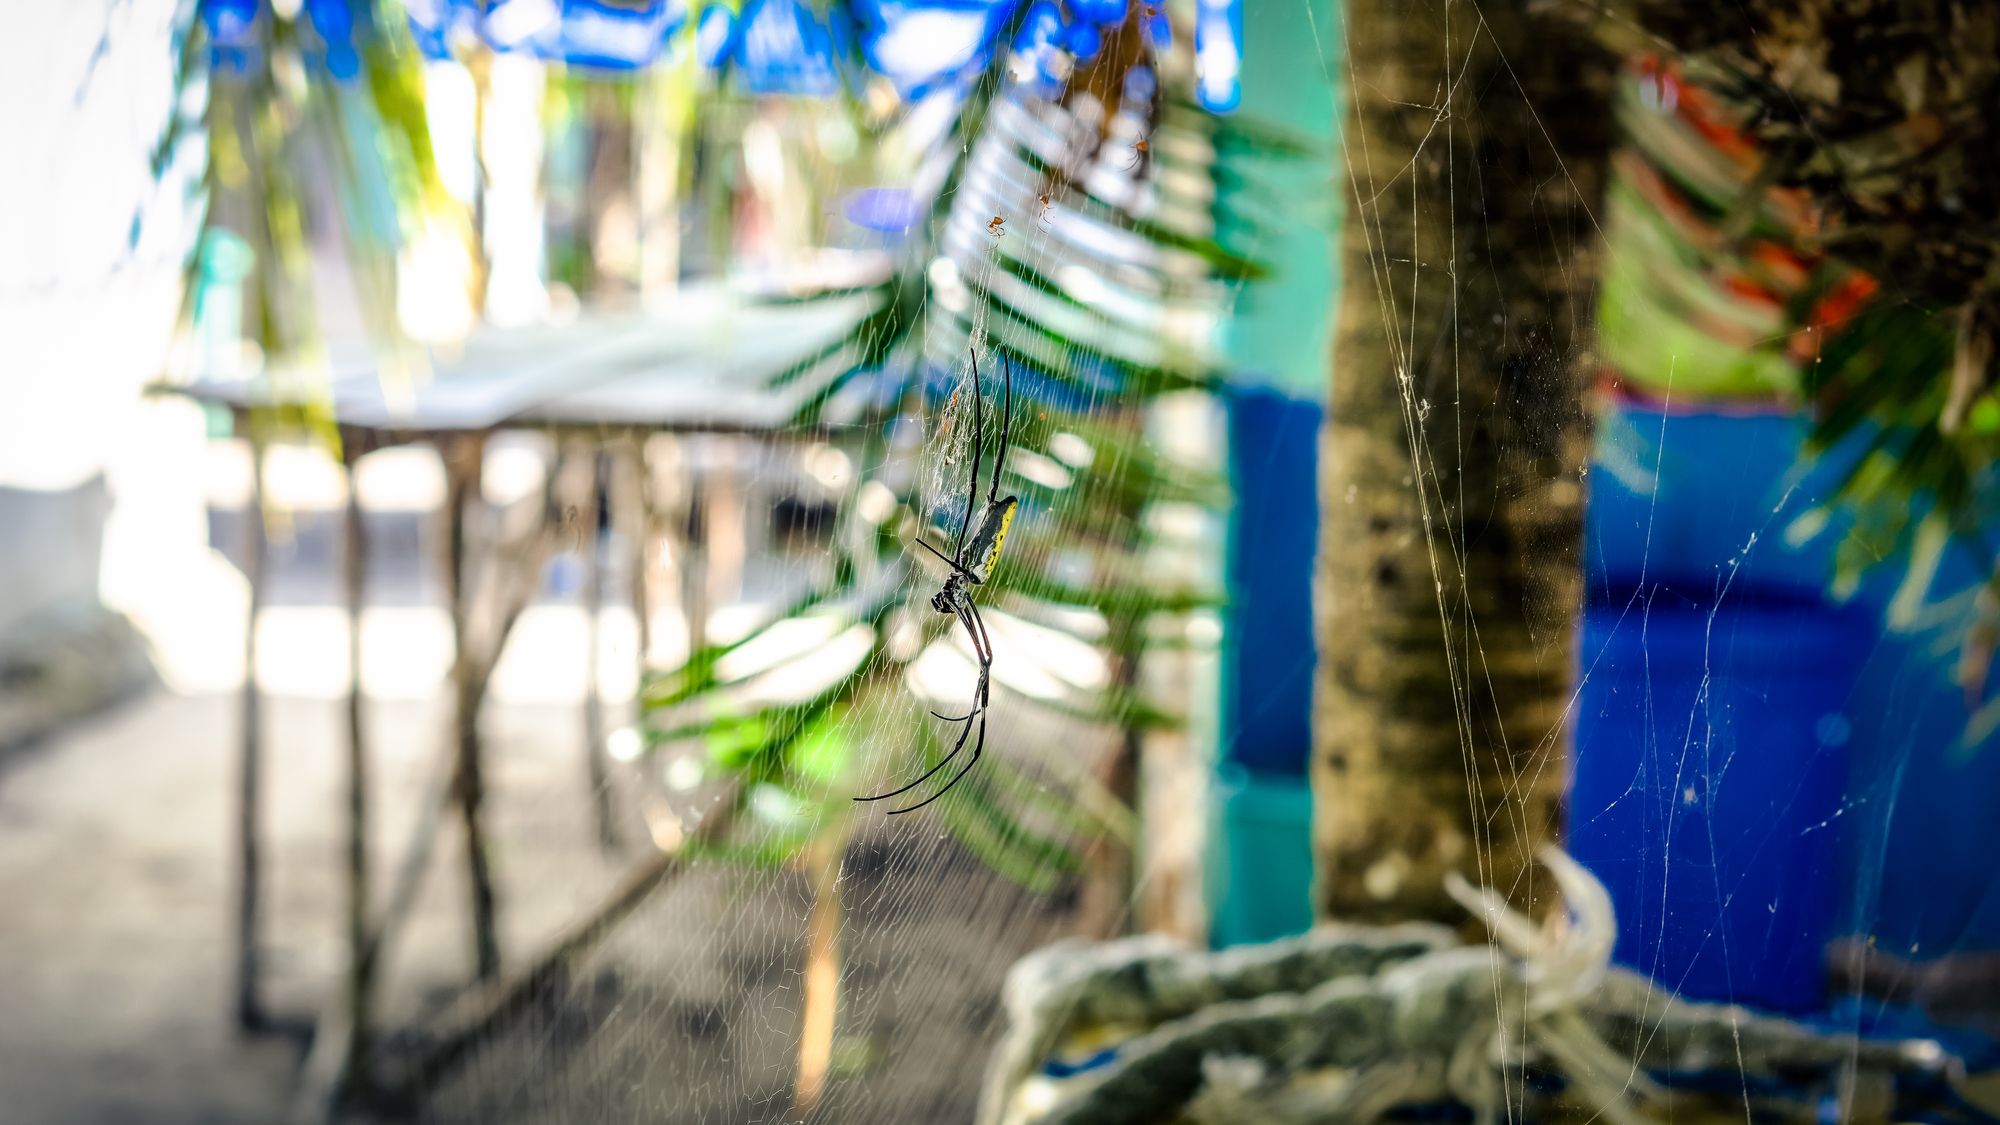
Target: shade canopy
(773, 46)
(715, 361)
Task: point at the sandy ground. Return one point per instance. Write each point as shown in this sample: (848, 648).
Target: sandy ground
(117, 888)
(116, 957)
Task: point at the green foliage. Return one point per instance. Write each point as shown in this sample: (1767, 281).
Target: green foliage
(273, 128)
(1098, 287)
(1880, 386)
(1714, 291)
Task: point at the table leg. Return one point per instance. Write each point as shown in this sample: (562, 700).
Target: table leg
(249, 777)
(594, 526)
(821, 998)
(360, 964)
(694, 556)
(463, 459)
(641, 519)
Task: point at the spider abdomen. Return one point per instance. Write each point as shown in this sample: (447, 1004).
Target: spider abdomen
(984, 549)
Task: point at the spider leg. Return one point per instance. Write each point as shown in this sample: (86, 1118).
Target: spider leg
(985, 660)
(982, 648)
(955, 778)
(948, 560)
(1006, 428)
(985, 645)
(929, 773)
(978, 449)
(979, 708)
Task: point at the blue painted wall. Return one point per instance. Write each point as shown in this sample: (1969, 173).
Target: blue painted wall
(1273, 537)
(1260, 852)
(1710, 735)
(1759, 769)
(1833, 793)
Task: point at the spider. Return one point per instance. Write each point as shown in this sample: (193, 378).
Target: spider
(971, 563)
(993, 227)
(1044, 203)
(1139, 150)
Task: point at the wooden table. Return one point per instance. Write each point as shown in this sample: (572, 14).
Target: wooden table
(716, 362)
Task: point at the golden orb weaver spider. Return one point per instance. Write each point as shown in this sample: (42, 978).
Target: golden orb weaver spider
(971, 563)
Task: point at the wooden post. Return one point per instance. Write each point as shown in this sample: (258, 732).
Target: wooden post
(463, 459)
(725, 527)
(693, 556)
(821, 1000)
(594, 522)
(337, 1065)
(1105, 902)
(641, 520)
(360, 960)
(256, 548)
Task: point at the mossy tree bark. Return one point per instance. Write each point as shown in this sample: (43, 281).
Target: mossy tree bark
(1452, 470)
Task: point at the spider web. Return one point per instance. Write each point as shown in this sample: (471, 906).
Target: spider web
(834, 965)
(875, 961)
(1742, 808)
(844, 966)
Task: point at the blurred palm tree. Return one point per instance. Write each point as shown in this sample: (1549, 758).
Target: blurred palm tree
(1874, 119)
(1451, 525)
(1449, 576)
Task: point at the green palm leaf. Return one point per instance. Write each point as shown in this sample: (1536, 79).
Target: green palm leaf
(1097, 286)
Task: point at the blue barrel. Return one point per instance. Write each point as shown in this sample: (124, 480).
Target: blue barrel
(1711, 760)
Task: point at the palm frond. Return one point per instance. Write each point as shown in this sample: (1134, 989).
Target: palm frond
(1070, 239)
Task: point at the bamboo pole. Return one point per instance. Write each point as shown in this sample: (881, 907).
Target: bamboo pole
(439, 799)
(642, 518)
(820, 1008)
(693, 557)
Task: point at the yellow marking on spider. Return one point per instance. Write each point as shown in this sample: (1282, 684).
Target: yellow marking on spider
(1000, 540)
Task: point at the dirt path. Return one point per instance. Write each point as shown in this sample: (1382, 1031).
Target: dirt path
(115, 954)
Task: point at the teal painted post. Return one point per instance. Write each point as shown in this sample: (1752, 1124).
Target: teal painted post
(1282, 211)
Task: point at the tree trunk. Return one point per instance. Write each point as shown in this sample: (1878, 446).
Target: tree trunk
(1452, 471)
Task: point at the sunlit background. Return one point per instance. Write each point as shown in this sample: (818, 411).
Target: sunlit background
(466, 470)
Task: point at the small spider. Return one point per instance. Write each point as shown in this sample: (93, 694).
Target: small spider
(1139, 150)
(993, 228)
(1044, 202)
(973, 556)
